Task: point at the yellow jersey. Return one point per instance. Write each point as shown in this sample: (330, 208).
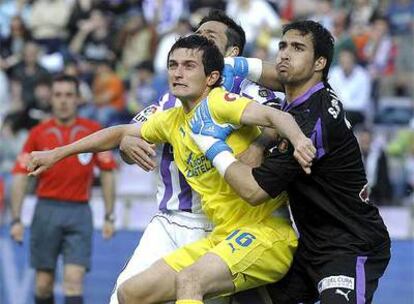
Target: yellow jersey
(219, 202)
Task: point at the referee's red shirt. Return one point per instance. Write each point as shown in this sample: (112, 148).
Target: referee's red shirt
(69, 179)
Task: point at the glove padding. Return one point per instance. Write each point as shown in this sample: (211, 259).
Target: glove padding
(233, 67)
(209, 135)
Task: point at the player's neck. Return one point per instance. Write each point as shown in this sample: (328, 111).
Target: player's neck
(191, 102)
(295, 90)
(65, 122)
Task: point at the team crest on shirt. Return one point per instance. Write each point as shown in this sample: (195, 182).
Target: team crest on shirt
(264, 93)
(230, 96)
(85, 158)
(283, 146)
(146, 113)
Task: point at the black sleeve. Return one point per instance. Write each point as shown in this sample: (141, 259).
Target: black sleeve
(276, 172)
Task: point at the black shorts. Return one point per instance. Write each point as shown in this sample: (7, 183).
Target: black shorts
(61, 228)
(342, 279)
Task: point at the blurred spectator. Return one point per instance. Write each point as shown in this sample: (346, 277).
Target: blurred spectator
(402, 147)
(5, 102)
(253, 15)
(48, 20)
(136, 42)
(376, 167)
(352, 83)
(195, 5)
(9, 9)
(12, 139)
(28, 72)
(42, 96)
(81, 11)
(85, 92)
(362, 11)
(182, 28)
(164, 14)
(145, 88)
(108, 96)
(93, 42)
(400, 13)
(24, 118)
(379, 53)
(13, 44)
(340, 31)
(324, 14)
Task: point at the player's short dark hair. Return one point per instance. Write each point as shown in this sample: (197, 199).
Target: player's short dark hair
(323, 41)
(67, 78)
(212, 59)
(234, 33)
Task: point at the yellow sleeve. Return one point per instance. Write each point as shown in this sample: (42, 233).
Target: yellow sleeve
(154, 130)
(226, 107)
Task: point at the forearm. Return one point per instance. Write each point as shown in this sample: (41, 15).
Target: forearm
(282, 122)
(77, 42)
(108, 190)
(103, 140)
(18, 193)
(267, 136)
(239, 176)
(269, 77)
(253, 156)
(286, 126)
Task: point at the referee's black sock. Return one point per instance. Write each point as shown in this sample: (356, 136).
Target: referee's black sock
(48, 300)
(73, 299)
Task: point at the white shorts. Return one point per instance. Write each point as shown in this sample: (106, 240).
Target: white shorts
(165, 233)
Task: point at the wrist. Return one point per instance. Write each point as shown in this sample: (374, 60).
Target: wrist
(222, 161)
(15, 220)
(59, 154)
(250, 68)
(255, 69)
(110, 217)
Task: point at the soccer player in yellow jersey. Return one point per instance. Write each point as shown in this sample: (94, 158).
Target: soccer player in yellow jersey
(248, 247)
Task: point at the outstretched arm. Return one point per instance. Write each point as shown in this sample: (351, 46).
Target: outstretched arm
(103, 140)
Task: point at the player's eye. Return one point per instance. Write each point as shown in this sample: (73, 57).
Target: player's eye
(190, 65)
(172, 65)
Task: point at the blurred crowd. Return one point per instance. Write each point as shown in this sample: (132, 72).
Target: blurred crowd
(118, 49)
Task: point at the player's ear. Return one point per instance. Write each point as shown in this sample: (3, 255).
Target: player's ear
(232, 51)
(320, 64)
(212, 78)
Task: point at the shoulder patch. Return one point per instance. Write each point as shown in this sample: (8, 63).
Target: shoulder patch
(264, 93)
(230, 96)
(146, 113)
(283, 146)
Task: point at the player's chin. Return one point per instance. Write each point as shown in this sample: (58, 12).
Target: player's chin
(179, 92)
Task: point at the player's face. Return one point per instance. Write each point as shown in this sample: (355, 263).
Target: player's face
(295, 59)
(215, 31)
(186, 77)
(64, 100)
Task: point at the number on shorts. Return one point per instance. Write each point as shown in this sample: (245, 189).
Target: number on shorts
(244, 239)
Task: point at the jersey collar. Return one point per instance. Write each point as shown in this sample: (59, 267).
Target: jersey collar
(302, 98)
